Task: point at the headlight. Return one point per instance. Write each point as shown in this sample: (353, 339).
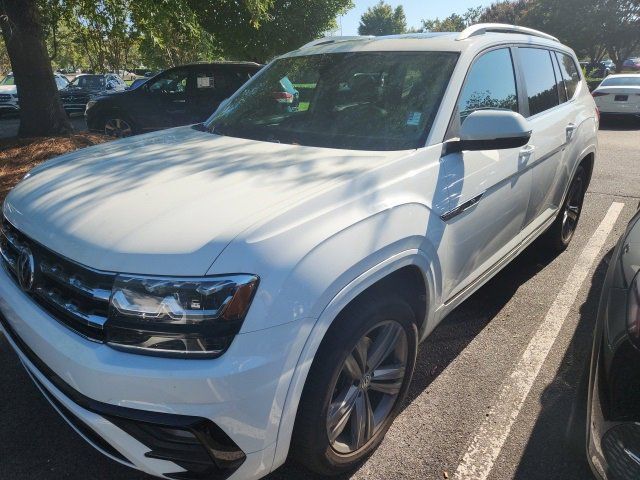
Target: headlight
(178, 316)
(90, 104)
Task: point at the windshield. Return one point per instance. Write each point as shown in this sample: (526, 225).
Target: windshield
(88, 81)
(8, 80)
(361, 101)
(621, 82)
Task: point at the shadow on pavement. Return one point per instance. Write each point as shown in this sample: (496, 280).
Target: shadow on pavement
(619, 123)
(556, 447)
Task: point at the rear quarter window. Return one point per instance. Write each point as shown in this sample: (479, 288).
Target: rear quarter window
(569, 73)
(539, 78)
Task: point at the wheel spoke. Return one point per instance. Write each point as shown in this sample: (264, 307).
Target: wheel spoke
(352, 367)
(383, 345)
(388, 380)
(362, 420)
(340, 412)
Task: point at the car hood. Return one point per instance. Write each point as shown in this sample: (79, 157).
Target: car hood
(169, 202)
(8, 89)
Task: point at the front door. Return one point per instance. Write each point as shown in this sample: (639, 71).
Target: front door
(165, 102)
(488, 190)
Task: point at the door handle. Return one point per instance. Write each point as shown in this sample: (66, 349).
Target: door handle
(526, 152)
(571, 128)
(180, 101)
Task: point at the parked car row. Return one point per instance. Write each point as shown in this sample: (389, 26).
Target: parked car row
(178, 96)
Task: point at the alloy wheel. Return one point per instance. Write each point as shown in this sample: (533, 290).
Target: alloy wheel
(572, 210)
(117, 127)
(367, 387)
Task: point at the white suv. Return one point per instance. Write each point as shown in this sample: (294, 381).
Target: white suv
(199, 302)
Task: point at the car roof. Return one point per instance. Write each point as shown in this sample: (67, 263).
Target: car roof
(476, 37)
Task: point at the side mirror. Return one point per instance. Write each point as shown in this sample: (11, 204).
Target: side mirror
(491, 130)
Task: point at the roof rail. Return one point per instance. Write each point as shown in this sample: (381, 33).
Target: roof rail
(482, 28)
(336, 39)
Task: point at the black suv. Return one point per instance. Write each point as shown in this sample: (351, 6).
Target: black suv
(178, 96)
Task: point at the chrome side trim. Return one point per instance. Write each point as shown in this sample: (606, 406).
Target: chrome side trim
(446, 216)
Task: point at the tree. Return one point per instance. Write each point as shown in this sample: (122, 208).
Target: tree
(454, 22)
(382, 19)
(621, 22)
(505, 11)
(284, 26)
(591, 27)
(41, 111)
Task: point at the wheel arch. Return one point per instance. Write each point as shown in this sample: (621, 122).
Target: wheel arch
(408, 273)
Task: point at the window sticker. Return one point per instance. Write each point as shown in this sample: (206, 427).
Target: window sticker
(414, 119)
(205, 81)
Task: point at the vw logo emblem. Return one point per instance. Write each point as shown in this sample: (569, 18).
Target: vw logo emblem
(25, 269)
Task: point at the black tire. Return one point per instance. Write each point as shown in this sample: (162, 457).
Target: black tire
(370, 318)
(117, 120)
(559, 235)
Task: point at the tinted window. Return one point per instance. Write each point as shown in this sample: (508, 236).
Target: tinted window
(8, 80)
(172, 82)
(539, 78)
(61, 83)
(490, 84)
(355, 100)
(621, 82)
(569, 73)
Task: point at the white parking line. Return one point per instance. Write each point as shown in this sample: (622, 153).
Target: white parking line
(490, 436)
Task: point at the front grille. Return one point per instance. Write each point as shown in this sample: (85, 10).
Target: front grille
(5, 97)
(75, 295)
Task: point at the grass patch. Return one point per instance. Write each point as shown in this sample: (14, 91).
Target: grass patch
(19, 155)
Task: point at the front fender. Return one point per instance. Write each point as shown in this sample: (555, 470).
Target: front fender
(412, 257)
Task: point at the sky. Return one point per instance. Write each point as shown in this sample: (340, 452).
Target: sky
(415, 11)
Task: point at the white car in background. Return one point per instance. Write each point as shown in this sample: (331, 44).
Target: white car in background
(199, 302)
(619, 94)
(9, 101)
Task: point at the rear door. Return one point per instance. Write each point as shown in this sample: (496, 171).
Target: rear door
(553, 122)
(212, 85)
(488, 190)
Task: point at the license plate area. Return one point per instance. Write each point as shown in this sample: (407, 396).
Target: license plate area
(621, 98)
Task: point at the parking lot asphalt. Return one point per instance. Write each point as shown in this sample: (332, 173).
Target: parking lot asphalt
(461, 371)
(9, 124)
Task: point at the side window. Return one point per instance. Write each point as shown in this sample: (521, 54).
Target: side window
(490, 84)
(569, 73)
(538, 75)
(173, 82)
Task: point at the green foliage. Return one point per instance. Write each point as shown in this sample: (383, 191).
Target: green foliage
(382, 19)
(285, 25)
(590, 27)
(454, 22)
(505, 11)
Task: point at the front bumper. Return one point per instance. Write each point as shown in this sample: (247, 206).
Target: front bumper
(107, 395)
